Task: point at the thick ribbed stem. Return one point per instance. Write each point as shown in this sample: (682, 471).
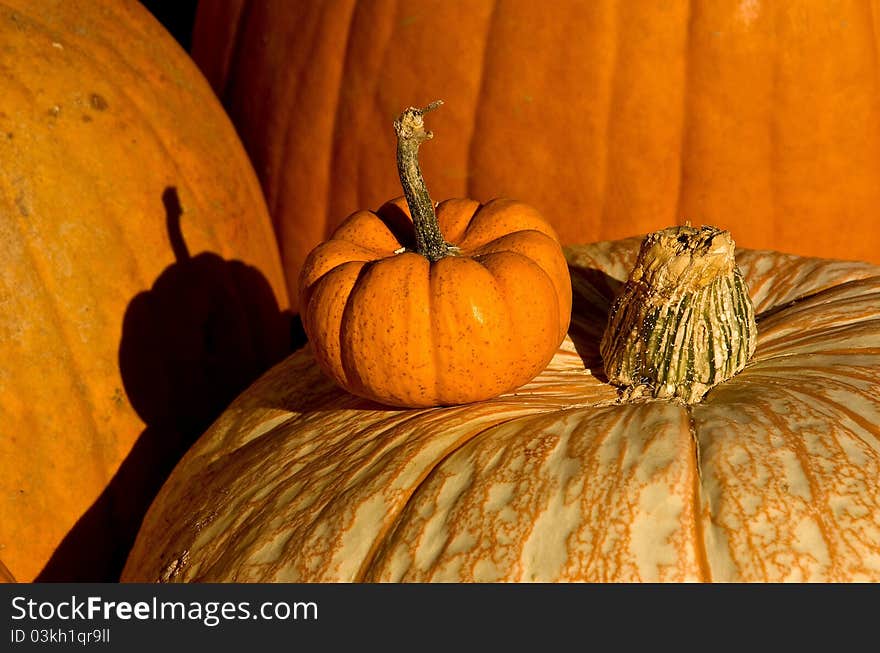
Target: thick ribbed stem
(684, 321)
(410, 128)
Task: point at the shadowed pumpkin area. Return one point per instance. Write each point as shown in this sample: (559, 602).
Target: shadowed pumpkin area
(102, 114)
(204, 331)
(771, 477)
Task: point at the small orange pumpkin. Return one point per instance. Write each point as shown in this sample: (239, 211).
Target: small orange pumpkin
(398, 315)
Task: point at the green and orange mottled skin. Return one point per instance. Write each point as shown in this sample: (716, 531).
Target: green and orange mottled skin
(389, 325)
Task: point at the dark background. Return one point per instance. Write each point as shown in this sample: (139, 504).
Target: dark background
(177, 16)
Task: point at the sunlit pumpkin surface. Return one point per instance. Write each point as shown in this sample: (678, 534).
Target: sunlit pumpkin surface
(390, 326)
(611, 117)
(133, 236)
(773, 477)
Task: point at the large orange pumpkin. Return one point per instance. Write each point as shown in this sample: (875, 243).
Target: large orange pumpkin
(611, 118)
(140, 283)
(772, 476)
(5, 575)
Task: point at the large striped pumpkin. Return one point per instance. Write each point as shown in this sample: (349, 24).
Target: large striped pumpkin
(772, 477)
(140, 284)
(612, 118)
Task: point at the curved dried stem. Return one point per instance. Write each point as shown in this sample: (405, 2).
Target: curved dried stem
(411, 133)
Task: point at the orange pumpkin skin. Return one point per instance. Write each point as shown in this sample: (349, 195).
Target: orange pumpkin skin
(656, 113)
(108, 132)
(394, 327)
(5, 575)
(771, 477)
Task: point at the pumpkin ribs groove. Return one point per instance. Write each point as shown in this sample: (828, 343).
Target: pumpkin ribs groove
(365, 572)
(686, 112)
(699, 542)
(768, 478)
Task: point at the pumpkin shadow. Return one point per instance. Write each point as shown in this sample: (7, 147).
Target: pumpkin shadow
(205, 331)
(593, 292)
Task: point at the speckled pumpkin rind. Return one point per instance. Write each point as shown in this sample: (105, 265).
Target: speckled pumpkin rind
(389, 325)
(772, 477)
(103, 118)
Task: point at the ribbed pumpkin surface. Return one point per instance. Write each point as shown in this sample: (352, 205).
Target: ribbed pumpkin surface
(611, 118)
(772, 477)
(109, 137)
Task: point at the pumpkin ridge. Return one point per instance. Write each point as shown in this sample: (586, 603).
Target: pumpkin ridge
(497, 226)
(621, 472)
(480, 250)
(546, 276)
(563, 293)
(364, 572)
(368, 220)
(831, 458)
(513, 325)
(814, 295)
(75, 368)
(813, 336)
(687, 110)
(336, 111)
(379, 447)
(434, 323)
(309, 293)
(538, 413)
(816, 490)
(714, 523)
(868, 426)
(812, 277)
(699, 537)
(211, 466)
(480, 92)
(446, 313)
(434, 496)
(277, 158)
(841, 310)
(345, 364)
(282, 157)
(774, 373)
(816, 368)
(353, 256)
(603, 508)
(606, 178)
(242, 17)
